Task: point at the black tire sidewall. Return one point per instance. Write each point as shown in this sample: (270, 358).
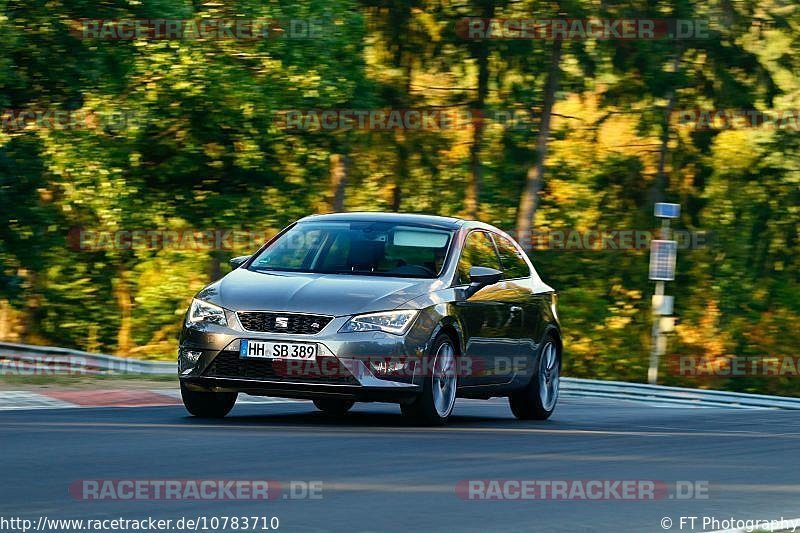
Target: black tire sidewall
(207, 404)
(526, 404)
(423, 408)
(333, 406)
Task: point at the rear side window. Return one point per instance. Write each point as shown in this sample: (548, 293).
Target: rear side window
(478, 251)
(514, 265)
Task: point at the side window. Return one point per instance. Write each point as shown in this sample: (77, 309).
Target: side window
(514, 265)
(478, 251)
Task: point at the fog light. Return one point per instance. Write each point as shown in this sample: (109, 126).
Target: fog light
(388, 367)
(187, 359)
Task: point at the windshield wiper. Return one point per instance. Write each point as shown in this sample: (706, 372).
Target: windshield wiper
(354, 272)
(374, 274)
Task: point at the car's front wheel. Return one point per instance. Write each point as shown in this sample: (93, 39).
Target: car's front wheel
(332, 406)
(538, 399)
(207, 404)
(435, 404)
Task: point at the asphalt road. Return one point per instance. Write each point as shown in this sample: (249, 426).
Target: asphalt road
(381, 474)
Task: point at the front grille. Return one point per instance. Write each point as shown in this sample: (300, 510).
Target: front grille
(270, 322)
(228, 364)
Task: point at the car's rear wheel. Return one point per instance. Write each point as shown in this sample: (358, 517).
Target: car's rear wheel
(333, 406)
(208, 404)
(538, 399)
(435, 404)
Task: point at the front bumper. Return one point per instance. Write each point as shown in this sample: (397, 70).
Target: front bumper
(346, 365)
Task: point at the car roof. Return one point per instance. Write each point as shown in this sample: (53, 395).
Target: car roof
(401, 218)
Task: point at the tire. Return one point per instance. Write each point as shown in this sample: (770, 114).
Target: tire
(333, 406)
(208, 404)
(538, 399)
(435, 403)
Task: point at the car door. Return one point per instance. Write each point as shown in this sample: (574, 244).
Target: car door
(486, 318)
(525, 305)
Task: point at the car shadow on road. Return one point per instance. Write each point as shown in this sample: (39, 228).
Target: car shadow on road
(308, 417)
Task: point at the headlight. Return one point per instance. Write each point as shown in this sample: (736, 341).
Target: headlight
(396, 322)
(201, 311)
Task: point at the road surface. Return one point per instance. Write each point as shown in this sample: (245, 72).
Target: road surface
(379, 473)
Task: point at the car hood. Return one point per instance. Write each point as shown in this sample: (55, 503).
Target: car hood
(327, 294)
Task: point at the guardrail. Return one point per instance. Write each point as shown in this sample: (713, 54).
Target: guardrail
(28, 359)
(677, 396)
(39, 360)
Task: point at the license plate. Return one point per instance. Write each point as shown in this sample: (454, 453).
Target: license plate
(301, 351)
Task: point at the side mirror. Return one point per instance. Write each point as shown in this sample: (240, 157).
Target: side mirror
(236, 262)
(480, 277)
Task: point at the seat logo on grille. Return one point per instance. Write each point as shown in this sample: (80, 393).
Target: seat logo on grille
(281, 322)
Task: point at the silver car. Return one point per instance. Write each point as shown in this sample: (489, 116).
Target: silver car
(360, 307)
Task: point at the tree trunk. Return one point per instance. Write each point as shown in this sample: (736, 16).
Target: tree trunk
(401, 172)
(5, 321)
(658, 186)
(215, 265)
(529, 201)
(473, 197)
(32, 312)
(472, 200)
(339, 168)
(124, 302)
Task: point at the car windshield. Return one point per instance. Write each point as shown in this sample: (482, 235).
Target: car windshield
(358, 248)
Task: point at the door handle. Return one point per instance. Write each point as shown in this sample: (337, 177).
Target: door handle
(516, 309)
